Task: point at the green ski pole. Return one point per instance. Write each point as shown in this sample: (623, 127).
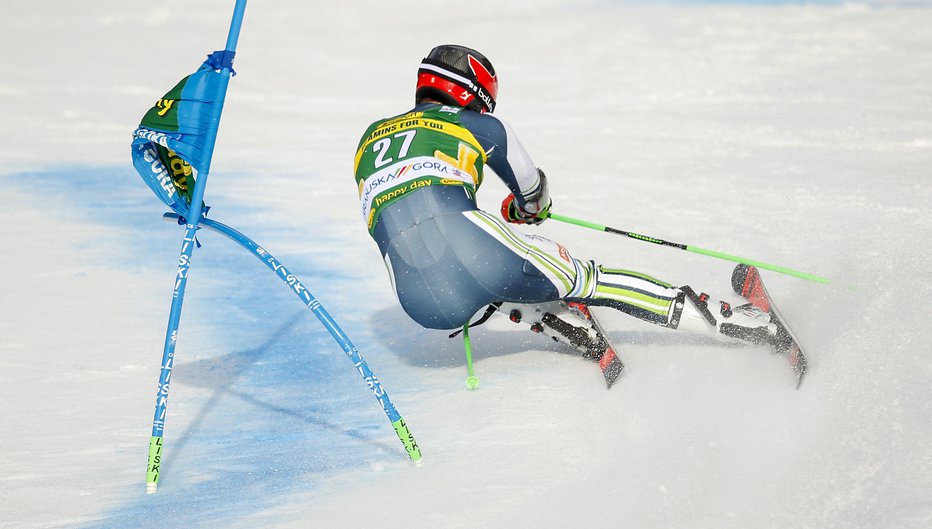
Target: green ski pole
(693, 249)
(472, 382)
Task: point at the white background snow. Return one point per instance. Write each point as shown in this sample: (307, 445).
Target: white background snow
(794, 134)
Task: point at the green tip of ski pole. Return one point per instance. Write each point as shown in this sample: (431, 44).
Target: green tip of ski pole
(155, 462)
(472, 382)
(407, 440)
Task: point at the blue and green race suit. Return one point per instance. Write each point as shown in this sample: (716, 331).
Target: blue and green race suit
(417, 175)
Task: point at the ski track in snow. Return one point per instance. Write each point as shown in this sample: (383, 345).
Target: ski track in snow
(823, 112)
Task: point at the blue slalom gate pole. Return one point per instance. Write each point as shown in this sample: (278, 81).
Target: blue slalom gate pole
(299, 290)
(184, 260)
(239, 11)
(184, 123)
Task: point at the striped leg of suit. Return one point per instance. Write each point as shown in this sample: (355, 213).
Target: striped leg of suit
(573, 279)
(680, 308)
(633, 293)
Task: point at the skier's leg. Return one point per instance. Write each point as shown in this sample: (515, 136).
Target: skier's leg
(447, 265)
(633, 293)
(637, 294)
(652, 300)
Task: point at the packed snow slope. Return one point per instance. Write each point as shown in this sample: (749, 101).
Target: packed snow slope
(797, 134)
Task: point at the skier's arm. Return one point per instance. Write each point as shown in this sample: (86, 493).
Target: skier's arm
(511, 162)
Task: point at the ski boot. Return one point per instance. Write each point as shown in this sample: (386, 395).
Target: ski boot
(571, 324)
(748, 323)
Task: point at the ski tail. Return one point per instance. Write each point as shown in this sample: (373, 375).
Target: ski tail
(611, 367)
(607, 358)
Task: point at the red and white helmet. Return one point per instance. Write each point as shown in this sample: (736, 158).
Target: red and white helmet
(460, 76)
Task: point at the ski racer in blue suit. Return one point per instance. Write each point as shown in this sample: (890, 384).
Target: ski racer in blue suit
(417, 175)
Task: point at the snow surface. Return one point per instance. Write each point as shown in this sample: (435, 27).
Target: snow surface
(799, 134)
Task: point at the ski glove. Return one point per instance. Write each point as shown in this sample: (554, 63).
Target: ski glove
(514, 214)
(536, 204)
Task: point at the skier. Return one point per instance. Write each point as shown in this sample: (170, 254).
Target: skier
(417, 175)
